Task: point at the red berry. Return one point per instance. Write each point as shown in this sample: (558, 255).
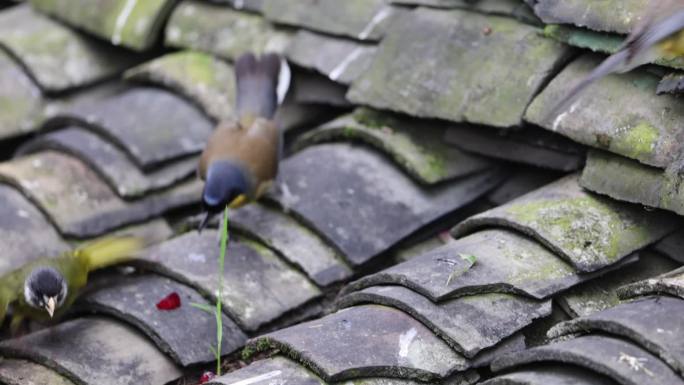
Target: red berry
(206, 377)
(170, 302)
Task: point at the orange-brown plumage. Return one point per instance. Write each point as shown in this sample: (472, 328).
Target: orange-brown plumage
(255, 147)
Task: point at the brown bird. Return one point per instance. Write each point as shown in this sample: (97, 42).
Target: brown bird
(660, 34)
(241, 158)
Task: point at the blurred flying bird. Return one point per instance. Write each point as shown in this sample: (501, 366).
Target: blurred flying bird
(240, 161)
(660, 34)
(46, 288)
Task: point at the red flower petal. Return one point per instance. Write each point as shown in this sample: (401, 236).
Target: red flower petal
(170, 302)
(206, 377)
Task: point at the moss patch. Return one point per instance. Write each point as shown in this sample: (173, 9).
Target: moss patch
(637, 142)
(588, 230)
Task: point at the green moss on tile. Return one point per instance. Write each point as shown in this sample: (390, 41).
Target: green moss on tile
(262, 344)
(415, 145)
(588, 229)
(139, 28)
(132, 23)
(584, 38)
(222, 31)
(548, 269)
(637, 142)
(372, 119)
(201, 77)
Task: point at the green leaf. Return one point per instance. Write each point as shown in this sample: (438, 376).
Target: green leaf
(470, 258)
(203, 306)
(470, 262)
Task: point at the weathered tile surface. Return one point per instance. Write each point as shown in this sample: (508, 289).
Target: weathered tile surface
(599, 294)
(556, 374)
(671, 283)
(21, 372)
(531, 146)
(265, 372)
(468, 324)
(111, 163)
(341, 60)
(294, 241)
(134, 24)
(369, 203)
(634, 182)
(336, 346)
(589, 231)
(416, 145)
(612, 16)
(25, 234)
(204, 79)
(505, 262)
(95, 350)
(312, 88)
(359, 19)
(671, 84)
(625, 362)
(258, 286)
(152, 125)
(58, 57)
(21, 104)
(619, 113)
(184, 333)
(653, 322)
(512, 8)
(222, 31)
(459, 66)
(672, 246)
(78, 201)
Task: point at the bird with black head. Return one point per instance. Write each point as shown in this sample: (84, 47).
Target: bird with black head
(45, 288)
(240, 160)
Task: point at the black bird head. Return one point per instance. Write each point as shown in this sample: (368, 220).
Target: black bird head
(45, 288)
(226, 184)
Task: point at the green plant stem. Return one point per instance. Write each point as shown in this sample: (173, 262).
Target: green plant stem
(219, 312)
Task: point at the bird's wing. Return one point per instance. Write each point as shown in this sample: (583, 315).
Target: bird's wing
(108, 251)
(11, 287)
(657, 31)
(662, 21)
(613, 63)
(264, 139)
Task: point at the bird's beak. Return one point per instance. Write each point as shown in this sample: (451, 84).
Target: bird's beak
(204, 222)
(238, 202)
(50, 306)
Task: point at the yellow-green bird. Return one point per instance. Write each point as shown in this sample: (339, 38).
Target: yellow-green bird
(659, 35)
(46, 287)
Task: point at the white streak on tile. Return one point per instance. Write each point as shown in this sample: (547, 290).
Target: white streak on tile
(121, 21)
(344, 64)
(380, 16)
(254, 380)
(405, 340)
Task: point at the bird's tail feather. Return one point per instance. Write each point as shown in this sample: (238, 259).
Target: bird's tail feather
(257, 84)
(110, 251)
